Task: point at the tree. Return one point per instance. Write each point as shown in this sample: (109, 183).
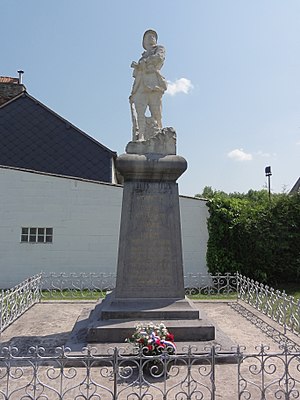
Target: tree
(208, 193)
(250, 234)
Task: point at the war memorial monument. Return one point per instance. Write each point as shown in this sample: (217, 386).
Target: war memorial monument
(150, 280)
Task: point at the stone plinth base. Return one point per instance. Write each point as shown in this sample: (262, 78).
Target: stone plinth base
(163, 142)
(149, 284)
(113, 319)
(145, 309)
(118, 330)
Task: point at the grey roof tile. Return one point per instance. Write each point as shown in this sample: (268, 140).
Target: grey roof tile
(34, 137)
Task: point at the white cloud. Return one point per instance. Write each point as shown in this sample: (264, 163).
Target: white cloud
(239, 155)
(298, 143)
(181, 85)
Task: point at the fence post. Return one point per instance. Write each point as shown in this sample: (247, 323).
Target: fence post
(284, 296)
(39, 287)
(115, 372)
(237, 286)
(239, 357)
(213, 375)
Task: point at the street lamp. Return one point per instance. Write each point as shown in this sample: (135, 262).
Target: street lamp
(269, 174)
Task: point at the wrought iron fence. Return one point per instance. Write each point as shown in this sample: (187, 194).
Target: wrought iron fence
(278, 306)
(260, 375)
(78, 285)
(210, 285)
(60, 374)
(90, 285)
(15, 301)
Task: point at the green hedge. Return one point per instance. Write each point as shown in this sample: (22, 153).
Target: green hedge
(255, 236)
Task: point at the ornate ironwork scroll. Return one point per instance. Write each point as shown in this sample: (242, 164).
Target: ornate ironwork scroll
(260, 375)
(112, 376)
(278, 306)
(14, 302)
(86, 284)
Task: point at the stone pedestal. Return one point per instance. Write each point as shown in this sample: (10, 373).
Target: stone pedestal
(150, 285)
(150, 250)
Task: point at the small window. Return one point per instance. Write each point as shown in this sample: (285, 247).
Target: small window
(36, 235)
(41, 235)
(24, 235)
(32, 235)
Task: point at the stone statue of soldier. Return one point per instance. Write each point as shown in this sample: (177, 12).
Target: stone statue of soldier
(148, 87)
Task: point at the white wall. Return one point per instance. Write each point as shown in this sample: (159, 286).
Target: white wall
(194, 214)
(85, 217)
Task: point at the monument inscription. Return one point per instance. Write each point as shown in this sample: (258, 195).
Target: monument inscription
(148, 259)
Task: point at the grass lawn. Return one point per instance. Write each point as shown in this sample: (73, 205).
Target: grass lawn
(230, 296)
(95, 295)
(72, 295)
(292, 289)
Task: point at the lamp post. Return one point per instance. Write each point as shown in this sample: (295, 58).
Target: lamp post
(269, 174)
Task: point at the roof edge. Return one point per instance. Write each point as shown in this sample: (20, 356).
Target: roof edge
(193, 198)
(13, 99)
(26, 94)
(296, 187)
(76, 178)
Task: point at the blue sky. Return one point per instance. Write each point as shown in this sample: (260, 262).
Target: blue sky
(234, 63)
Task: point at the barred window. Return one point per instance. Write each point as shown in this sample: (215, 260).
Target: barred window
(36, 235)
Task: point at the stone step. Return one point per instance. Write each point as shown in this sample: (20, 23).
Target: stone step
(150, 314)
(119, 330)
(147, 309)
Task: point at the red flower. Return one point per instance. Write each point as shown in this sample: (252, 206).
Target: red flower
(150, 347)
(170, 337)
